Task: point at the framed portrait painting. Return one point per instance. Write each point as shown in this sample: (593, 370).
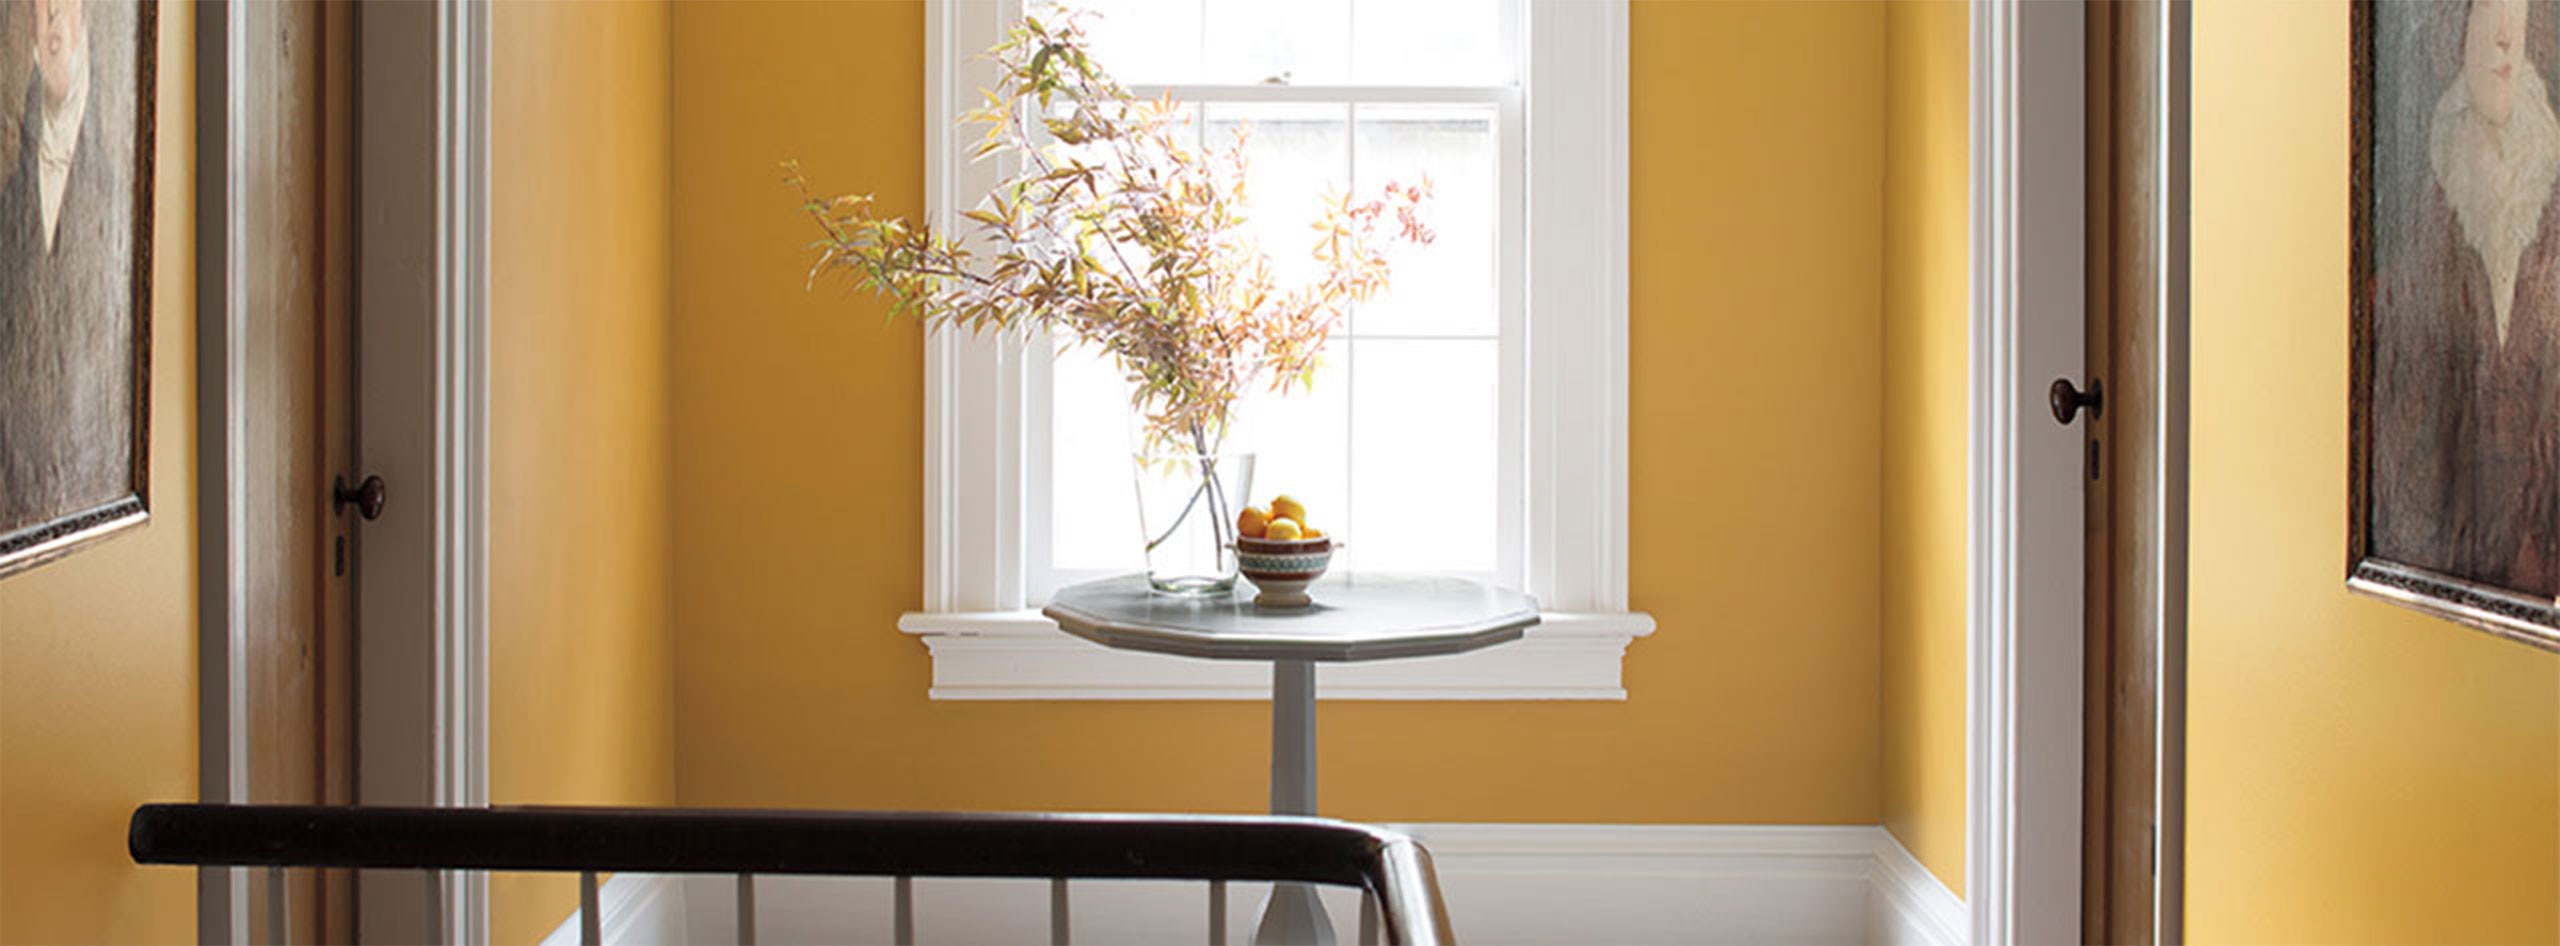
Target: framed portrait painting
(2455, 473)
(76, 122)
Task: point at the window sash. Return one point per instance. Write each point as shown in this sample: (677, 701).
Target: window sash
(1041, 575)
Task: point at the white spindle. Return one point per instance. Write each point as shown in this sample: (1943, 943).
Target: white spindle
(1368, 918)
(590, 913)
(903, 919)
(1217, 913)
(746, 910)
(279, 929)
(1058, 911)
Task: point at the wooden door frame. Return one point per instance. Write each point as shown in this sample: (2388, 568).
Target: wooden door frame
(2146, 469)
(422, 370)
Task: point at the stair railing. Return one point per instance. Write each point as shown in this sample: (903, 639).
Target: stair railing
(1400, 894)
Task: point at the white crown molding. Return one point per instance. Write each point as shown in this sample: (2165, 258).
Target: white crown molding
(1019, 655)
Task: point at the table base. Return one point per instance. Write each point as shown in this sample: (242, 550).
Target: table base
(1291, 915)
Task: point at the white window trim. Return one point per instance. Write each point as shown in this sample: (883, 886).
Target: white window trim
(987, 638)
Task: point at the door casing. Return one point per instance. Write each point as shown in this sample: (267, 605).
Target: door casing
(421, 388)
(2024, 548)
(2022, 858)
(422, 396)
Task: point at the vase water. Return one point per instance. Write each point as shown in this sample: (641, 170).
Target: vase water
(1187, 505)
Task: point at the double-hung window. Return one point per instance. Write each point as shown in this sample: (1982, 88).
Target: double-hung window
(1470, 421)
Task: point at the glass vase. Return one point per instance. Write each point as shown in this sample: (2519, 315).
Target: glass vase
(1187, 505)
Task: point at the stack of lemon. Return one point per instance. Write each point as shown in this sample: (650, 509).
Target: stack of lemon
(1285, 520)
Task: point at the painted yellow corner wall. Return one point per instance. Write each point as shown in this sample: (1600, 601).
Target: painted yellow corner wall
(580, 607)
(98, 650)
(2356, 771)
(1925, 329)
(1757, 234)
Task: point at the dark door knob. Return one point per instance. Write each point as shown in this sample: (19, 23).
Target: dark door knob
(367, 497)
(2068, 400)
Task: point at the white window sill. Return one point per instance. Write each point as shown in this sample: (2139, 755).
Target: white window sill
(1019, 655)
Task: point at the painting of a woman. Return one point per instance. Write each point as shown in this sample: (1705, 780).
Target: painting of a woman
(74, 290)
(2463, 472)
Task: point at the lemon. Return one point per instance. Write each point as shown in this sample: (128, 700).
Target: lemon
(1252, 521)
(1284, 507)
(1282, 530)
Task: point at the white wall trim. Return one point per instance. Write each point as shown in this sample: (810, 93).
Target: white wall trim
(2023, 740)
(1020, 655)
(423, 412)
(637, 909)
(1577, 304)
(1504, 883)
(2176, 78)
(1908, 905)
(974, 406)
(222, 592)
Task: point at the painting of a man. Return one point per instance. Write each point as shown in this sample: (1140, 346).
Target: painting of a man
(73, 222)
(2463, 471)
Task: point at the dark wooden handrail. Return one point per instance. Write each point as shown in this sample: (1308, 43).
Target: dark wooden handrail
(1387, 864)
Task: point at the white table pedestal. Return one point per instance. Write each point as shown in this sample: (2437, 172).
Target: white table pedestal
(1292, 915)
(1370, 617)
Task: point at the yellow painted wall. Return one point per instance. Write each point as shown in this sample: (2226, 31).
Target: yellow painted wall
(1757, 180)
(580, 606)
(1925, 363)
(98, 650)
(2357, 772)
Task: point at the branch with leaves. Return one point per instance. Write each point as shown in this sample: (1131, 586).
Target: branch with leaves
(1113, 232)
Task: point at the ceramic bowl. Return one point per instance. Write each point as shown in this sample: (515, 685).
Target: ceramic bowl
(1282, 569)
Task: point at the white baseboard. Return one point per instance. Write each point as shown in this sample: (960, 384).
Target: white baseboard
(1504, 884)
(1907, 906)
(637, 909)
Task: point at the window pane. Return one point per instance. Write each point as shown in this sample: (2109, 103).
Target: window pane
(1425, 456)
(1299, 154)
(1093, 499)
(1251, 41)
(1449, 287)
(1302, 444)
(1428, 42)
(1144, 41)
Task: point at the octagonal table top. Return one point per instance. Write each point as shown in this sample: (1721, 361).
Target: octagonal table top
(1366, 617)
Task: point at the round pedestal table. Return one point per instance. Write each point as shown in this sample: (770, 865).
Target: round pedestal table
(1367, 617)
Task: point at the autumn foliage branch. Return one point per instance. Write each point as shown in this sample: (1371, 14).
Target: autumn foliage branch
(1113, 232)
